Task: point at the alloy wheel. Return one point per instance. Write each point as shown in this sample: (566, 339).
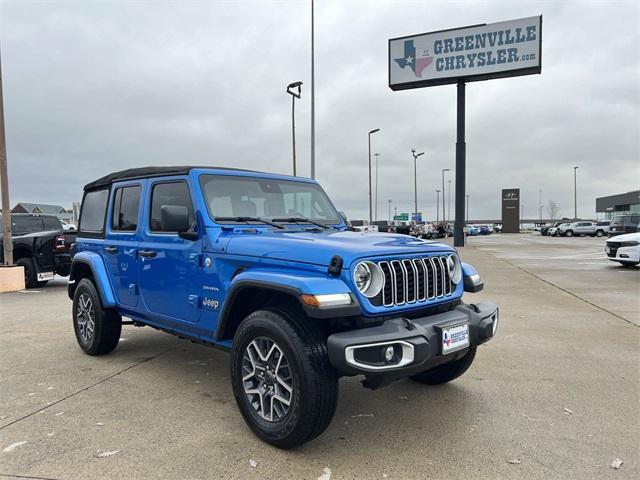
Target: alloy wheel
(85, 317)
(267, 379)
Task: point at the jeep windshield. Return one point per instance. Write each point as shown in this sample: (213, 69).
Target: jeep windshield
(233, 199)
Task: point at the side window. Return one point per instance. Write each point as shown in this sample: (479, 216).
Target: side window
(52, 223)
(93, 211)
(24, 225)
(169, 193)
(126, 202)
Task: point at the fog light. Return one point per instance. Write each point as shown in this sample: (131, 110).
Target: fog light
(388, 353)
(495, 324)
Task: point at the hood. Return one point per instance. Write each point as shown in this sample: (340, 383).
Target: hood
(317, 247)
(627, 237)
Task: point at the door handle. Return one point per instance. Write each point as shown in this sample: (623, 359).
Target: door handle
(111, 250)
(147, 253)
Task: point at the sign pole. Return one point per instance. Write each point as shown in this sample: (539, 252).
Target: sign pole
(461, 160)
(4, 183)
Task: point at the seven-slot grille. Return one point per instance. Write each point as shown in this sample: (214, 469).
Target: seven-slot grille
(411, 280)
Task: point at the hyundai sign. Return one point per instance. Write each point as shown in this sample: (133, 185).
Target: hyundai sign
(480, 52)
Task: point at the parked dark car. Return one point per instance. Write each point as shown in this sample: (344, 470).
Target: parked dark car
(40, 246)
(621, 224)
(485, 230)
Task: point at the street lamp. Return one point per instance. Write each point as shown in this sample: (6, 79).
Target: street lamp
(291, 90)
(437, 207)
(540, 205)
(467, 216)
(389, 208)
(575, 193)
(375, 216)
(370, 206)
(443, 212)
(415, 179)
(521, 216)
(449, 200)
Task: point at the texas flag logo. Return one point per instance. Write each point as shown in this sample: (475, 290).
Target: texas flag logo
(447, 340)
(410, 60)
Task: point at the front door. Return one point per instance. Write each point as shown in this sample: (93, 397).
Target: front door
(169, 265)
(121, 242)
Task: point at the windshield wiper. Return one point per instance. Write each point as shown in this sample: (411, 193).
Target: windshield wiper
(299, 220)
(247, 220)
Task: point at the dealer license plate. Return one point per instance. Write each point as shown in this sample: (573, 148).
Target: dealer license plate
(455, 337)
(42, 276)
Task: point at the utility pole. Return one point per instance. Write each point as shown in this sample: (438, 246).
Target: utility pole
(444, 215)
(415, 179)
(313, 100)
(575, 193)
(291, 91)
(389, 208)
(375, 216)
(4, 183)
(370, 202)
(437, 207)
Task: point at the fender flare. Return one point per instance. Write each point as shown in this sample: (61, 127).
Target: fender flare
(100, 276)
(293, 285)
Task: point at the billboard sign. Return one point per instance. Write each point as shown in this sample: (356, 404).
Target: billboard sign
(478, 52)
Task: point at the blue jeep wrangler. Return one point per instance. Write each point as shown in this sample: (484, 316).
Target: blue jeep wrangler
(262, 265)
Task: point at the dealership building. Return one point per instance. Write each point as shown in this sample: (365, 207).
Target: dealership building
(618, 204)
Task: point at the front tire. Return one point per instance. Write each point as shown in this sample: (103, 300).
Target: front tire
(599, 233)
(283, 383)
(568, 233)
(97, 329)
(448, 371)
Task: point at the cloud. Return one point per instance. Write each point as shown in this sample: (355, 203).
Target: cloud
(93, 87)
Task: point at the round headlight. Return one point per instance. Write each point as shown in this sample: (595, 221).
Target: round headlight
(368, 279)
(455, 269)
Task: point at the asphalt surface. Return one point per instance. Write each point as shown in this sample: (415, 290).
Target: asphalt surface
(554, 395)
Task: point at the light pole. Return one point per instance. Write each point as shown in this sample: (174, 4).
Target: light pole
(443, 212)
(291, 90)
(437, 207)
(370, 205)
(389, 208)
(449, 200)
(415, 179)
(313, 99)
(466, 220)
(575, 193)
(375, 216)
(521, 215)
(540, 205)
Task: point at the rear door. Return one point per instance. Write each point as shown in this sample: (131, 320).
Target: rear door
(121, 241)
(169, 265)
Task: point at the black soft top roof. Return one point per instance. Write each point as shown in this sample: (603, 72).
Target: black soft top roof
(145, 172)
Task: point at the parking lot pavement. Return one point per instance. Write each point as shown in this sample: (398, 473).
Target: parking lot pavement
(555, 395)
(576, 264)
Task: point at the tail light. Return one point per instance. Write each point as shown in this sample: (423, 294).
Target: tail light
(60, 243)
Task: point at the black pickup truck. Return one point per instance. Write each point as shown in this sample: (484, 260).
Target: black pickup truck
(41, 246)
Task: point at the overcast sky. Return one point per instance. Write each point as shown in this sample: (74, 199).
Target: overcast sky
(92, 87)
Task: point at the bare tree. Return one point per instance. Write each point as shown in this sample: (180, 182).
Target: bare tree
(553, 209)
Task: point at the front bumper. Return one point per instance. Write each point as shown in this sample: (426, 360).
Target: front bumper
(419, 340)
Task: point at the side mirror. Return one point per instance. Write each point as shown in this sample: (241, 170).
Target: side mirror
(174, 218)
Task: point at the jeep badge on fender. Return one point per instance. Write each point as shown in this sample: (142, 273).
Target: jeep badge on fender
(298, 300)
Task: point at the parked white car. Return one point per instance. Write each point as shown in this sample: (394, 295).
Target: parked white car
(363, 226)
(556, 231)
(624, 249)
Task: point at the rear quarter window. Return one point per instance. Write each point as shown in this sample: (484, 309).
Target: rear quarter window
(93, 212)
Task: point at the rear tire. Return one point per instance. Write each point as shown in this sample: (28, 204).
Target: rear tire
(279, 356)
(446, 372)
(30, 274)
(97, 328)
